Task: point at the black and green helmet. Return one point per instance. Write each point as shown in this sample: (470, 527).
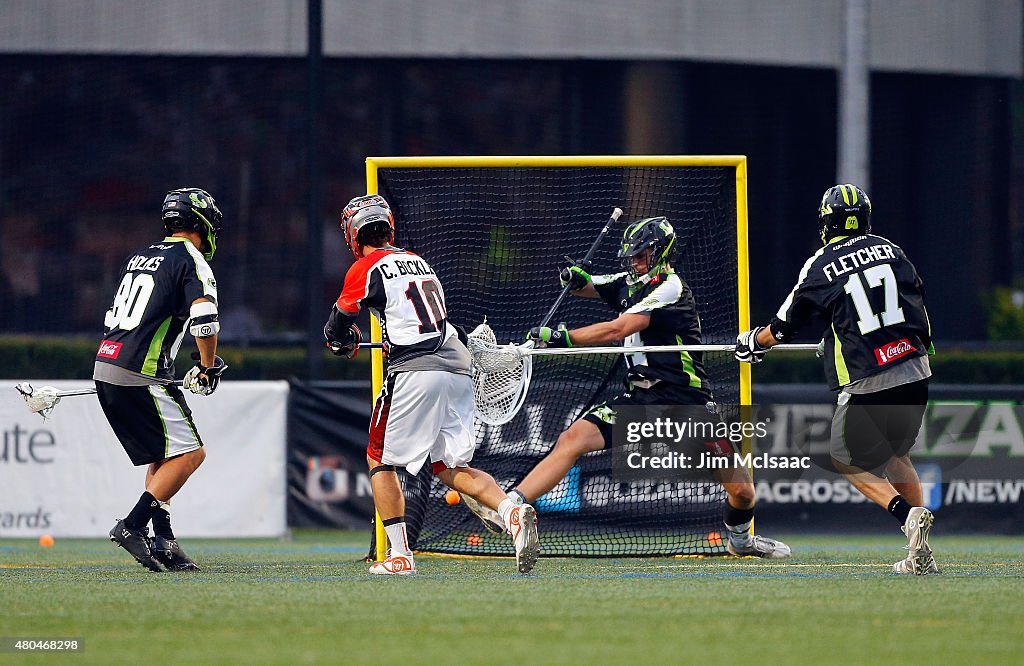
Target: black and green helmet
(193, 209)
(845, 211)
(651, 232)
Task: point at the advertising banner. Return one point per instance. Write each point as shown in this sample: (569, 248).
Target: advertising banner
(969, 455)
(68, 476)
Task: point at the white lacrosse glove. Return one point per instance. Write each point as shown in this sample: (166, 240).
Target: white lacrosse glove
(203, 380)
(747, 348)
(819, 351)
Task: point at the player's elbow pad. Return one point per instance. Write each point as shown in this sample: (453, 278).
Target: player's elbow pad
(203, 322)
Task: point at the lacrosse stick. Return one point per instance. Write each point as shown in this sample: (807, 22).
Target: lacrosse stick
(616, 214)
(42, 400)
(501, 373)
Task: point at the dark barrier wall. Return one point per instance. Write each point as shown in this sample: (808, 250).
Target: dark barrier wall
(970, 457)
(88, 146)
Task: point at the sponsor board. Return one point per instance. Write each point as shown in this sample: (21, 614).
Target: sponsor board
(69, 476)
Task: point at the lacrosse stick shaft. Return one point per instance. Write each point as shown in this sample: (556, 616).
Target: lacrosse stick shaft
(91, 391)
(571, 351)
(616, 213)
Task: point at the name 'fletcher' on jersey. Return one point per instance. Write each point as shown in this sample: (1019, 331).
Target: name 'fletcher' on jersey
(857, 259)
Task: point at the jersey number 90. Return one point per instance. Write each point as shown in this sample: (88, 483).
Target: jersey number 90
(130, 301)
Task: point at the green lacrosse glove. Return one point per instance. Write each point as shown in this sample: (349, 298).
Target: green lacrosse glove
(575, 275)
(544, 336)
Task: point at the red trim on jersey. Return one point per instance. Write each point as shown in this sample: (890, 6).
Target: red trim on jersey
(379, 422)
(356, 285)
(437, 467)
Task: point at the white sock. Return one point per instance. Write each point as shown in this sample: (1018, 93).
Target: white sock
(516, 497)
(505, 510)
(739, 534)
(396, 537)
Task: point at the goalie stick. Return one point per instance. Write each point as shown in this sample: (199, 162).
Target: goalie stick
(616, 214)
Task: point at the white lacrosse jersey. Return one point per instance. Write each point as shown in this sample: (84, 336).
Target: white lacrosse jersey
(404, 293)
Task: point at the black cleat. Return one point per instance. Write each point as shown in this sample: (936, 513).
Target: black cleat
(137, 543)
(171, 555)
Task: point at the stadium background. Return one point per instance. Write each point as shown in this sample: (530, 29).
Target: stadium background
(106, 104)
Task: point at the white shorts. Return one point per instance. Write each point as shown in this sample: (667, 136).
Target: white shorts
(420, 414)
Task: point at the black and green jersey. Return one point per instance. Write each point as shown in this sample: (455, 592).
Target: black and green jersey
(674, 321)
(144, 325)
(873, 297)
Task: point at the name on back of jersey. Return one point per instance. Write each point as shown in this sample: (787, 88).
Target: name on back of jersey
(856, 259)
(141, 263)
(405, 267)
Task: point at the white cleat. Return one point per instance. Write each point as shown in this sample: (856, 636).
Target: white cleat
(920, 561)
(398, 565)
(759, 546)
(922, 565)
(523, 528)
(488, 516)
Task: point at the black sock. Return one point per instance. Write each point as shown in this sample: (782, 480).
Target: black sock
(735, 517)
(142, 512)
(900, 508)
(162, 523)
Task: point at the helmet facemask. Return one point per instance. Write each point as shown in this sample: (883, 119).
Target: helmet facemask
(654, 237)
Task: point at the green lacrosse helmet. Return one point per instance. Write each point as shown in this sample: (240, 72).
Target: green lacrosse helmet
(845, 211)
(193, 209)
(654, 233)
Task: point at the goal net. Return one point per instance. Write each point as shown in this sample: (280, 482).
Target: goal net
(496, 231)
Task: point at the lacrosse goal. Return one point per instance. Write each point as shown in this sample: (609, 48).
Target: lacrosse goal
(496, 229)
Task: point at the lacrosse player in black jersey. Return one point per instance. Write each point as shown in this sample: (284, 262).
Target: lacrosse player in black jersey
(656, 307)
(876, 356)
(163, 287)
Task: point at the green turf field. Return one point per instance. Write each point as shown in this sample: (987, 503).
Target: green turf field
(309, 600)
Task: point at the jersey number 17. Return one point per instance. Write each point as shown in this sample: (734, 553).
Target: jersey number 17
(875, 276)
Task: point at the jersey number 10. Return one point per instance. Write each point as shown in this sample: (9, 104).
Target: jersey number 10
(875, 276)
(432, 296)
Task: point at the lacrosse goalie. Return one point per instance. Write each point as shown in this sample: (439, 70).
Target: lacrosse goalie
(164, 287)
(425, 408)
(656, 307)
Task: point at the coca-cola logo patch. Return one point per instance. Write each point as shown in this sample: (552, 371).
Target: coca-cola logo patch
(893, 351)
(109, 349)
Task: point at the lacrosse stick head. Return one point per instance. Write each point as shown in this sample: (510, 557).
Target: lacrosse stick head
(501, 376)
(40, 400)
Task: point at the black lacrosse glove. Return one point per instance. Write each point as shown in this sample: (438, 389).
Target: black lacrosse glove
(347, 343)
(203, 380)
(748, 350)
(576, 275)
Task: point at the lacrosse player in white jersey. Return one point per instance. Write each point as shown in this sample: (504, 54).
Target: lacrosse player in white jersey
(424, 411)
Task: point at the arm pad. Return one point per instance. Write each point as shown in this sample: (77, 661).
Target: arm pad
(203, 322)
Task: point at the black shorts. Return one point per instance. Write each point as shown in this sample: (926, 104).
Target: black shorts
(870, 429)
(152, 422)
(671, 395)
